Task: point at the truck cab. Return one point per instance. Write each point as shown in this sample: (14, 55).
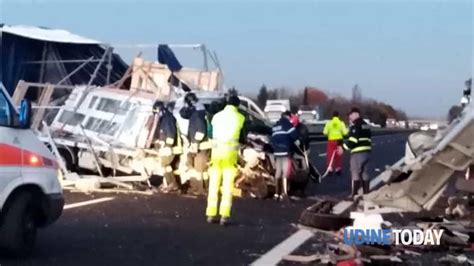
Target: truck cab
(274, 109)
(30, 191)
(253, 114)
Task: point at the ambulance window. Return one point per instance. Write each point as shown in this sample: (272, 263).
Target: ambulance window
(5, 111)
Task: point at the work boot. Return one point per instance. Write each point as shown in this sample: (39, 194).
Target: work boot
(211, 219)
(225, 221)
(355, 188)
(285, 198)
(365, 186)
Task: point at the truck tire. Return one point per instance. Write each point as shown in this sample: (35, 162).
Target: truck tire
(69, 158)
(18, 232)
(319, 216)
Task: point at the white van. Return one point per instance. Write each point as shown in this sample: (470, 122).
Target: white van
(30, 193)
(274, 109)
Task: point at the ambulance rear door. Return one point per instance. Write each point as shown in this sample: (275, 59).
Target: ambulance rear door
(10, 143)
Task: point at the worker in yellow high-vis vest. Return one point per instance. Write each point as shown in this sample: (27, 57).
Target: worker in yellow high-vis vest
(335, 130)
(227, 126)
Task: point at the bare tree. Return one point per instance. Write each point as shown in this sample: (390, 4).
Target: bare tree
(356, 94)
(262, 96)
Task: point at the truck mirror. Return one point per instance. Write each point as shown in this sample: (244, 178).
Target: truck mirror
(25, 114)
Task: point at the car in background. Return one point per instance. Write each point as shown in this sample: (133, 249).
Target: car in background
(308, 115)
(274, 109)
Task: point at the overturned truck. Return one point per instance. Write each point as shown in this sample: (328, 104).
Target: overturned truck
(110, 132)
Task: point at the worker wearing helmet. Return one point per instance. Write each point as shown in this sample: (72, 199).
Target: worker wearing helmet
(227, 126)
(168, 143)
(199, 143)
(335, 130)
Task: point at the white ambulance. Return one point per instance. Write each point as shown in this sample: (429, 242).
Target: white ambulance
(30, 193)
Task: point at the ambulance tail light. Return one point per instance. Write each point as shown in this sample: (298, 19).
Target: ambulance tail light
(31, 159)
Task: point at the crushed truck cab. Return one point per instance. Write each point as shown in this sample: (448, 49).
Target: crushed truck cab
(30, 192)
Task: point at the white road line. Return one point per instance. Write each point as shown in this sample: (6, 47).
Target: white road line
(322, 154)
(274, 256)
(84, 203)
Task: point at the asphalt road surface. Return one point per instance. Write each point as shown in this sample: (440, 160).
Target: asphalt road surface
(119, 229)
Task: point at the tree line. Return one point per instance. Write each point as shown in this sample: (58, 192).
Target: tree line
(376, 111)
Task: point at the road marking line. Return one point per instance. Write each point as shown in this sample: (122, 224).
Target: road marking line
(84, 203)
(275, 255)
(322, 154)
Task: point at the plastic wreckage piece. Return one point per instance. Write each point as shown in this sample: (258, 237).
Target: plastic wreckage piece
(428, 174)
(460, 259)
(336, 254)
(386, 257)
(307, 259)
(457, 207)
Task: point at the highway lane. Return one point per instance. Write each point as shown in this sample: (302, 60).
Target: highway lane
(386, 150)
(171, 229)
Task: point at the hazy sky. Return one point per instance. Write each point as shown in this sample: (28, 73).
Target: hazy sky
(415, 55)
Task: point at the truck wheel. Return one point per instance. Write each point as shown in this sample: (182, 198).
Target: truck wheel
(69, 158)
(18, 233)
(319, 216)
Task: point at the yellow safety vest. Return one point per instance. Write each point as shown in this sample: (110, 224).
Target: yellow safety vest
(226, 128)
(335, 129)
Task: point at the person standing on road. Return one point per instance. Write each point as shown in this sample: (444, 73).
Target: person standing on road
(335, 130)
(199, 143)
(303, 132)
(227, 127)
(168, 142)
(284, 135)
(360, 144)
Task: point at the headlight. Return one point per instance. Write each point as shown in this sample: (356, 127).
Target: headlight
(313, 112)
(299, 112)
